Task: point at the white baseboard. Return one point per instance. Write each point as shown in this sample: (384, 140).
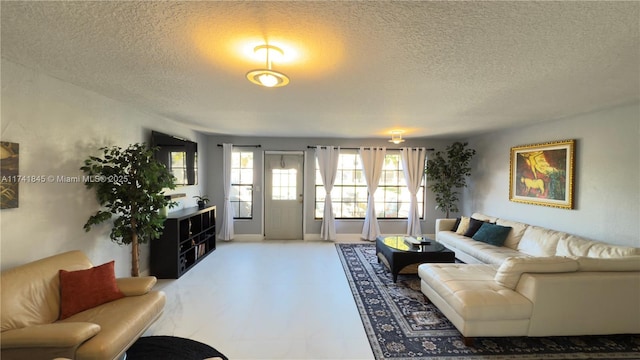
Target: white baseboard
(307, 237)
(340, 238)
(247, 237)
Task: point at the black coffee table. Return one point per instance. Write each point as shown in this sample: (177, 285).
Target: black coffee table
(399, 253)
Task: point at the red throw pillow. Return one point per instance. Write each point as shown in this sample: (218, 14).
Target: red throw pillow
(83, 289)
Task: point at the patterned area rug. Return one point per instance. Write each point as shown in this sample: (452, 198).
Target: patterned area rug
(402, 324)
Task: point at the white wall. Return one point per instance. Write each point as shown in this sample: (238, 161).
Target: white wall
(346, 229)
(57, 126)
(607, 175)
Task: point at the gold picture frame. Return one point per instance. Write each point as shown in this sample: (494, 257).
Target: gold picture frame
(10, 174)
(543, 174)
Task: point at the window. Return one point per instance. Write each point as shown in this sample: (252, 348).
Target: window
(283, 184)
(349, 195)
(392, 197)
(242, 184)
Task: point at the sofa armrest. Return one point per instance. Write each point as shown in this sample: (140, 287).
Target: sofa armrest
(134, 286)
(60, 334)
(444, 224)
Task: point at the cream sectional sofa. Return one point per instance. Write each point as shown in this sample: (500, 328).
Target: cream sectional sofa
(523, 240)
(541, 282)
(31, 307)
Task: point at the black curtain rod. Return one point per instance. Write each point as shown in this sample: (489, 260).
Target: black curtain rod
(255, 146)
(351, 148)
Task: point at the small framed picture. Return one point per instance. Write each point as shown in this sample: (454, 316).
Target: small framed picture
(9, 171)
(543, 174)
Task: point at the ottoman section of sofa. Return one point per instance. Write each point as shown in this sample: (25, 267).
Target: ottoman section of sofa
(469, 297)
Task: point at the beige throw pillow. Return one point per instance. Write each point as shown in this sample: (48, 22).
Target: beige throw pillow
(464, 225)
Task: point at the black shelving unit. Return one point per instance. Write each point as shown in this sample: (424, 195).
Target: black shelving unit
(189, 236)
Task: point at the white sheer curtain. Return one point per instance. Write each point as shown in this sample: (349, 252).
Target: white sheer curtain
(328, 163)
(413, 168)
(226, 227)
(372, 162)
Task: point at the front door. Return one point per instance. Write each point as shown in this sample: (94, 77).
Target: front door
(283, 195)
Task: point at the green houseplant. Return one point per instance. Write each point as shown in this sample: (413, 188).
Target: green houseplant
(202, 201)
(448, 172)
(129, 186)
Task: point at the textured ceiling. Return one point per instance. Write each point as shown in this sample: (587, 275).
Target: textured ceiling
(357, 69)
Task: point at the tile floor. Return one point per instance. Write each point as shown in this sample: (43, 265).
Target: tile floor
(267, 300)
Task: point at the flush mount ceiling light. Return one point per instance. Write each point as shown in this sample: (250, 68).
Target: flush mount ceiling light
(268, 77)
(396, 137)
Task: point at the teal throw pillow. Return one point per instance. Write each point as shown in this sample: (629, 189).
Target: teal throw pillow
(492, 234)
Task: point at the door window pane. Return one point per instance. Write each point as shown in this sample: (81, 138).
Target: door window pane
(283, 184)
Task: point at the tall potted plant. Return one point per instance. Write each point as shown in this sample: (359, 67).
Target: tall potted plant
(129, 186)
(448, 172)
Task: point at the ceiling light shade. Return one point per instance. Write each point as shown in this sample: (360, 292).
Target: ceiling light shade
(268, 77)
(396, 137)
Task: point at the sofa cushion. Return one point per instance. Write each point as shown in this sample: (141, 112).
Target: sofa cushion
(577, 246)
(472, 251)
(492, 234)
(573, 246)
(483, 217)
(508, 274)
(627, 263)
(517, 230)
(84, 289)
(538, 241)
(463, 225)
(603, 250)
(474, 226)
(471, 291)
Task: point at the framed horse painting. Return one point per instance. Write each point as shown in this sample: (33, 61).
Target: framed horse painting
(543, 174)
